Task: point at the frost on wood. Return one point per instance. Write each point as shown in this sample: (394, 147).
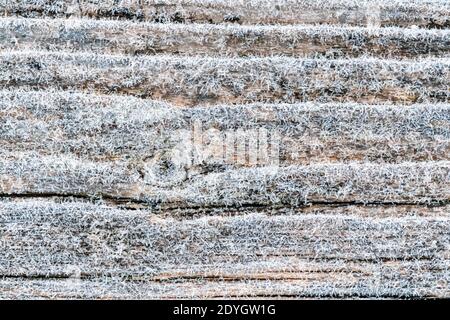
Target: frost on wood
(225, 80)
(405, 13)
(326, 252)
(33, 174)
(224, 149)
(113, 127)
(195, 39)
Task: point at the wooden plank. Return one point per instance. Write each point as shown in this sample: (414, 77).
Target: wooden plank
(192, 81)
(102, 36)
(169, 184)
(390, 282)
(113, 127)
(427, 14)
(82, 249)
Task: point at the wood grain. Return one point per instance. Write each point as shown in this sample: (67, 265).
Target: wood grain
(345, 251)
(224, 149)
(224, 80)
(221, 40)
(427, 14)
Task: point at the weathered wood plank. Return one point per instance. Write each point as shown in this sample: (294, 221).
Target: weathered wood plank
(193, 39)
(390, 282)
(111, 128)
(404, 13)
(98, 251)
(191, 81)
(169, 185)
(414, 279)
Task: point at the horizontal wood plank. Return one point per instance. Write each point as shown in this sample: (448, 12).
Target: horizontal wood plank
(427, 14)
(123, 37)
(343, 251)
(208, 80)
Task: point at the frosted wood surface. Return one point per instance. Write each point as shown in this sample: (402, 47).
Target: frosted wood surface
(224, 149)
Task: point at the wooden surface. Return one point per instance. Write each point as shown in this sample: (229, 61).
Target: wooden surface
(404, 13)
(211, 149)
